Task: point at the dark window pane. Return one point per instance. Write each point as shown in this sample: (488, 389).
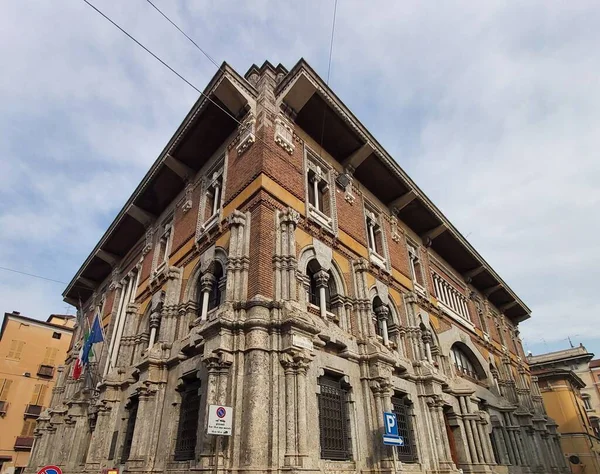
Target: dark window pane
(133, 408)
(333, 420)
(407, 452)
(188, 421)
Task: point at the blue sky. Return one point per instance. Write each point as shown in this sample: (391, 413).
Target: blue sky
(492, 108)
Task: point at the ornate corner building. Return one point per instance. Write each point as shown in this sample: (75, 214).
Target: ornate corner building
(275, 259)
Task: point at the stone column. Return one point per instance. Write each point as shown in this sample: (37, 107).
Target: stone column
(206, 283)
(442, 446)
(427, 338)
(295, 365)
(485, 439)
(322, 278)
(509, 446)
(469, 430)
(256, 399)
(383, 313)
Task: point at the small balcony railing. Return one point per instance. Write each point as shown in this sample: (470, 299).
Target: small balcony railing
(23, 443)
(46, 371)
(33, 411)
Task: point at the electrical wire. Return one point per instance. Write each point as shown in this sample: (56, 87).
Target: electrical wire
(331, 42)
(33, 275)
(184, 34)
(164, 63)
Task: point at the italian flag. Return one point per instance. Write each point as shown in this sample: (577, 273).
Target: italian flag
(78, 367)
(79, 363)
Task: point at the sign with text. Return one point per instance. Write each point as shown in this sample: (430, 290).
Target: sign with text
(220, 420)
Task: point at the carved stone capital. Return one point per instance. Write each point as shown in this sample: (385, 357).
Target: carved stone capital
(207, 281)
(382, 312)
(322, 278)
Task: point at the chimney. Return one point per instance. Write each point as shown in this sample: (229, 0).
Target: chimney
(16, 312)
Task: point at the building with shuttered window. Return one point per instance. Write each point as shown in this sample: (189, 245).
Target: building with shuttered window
(277, 260)
(30, 353)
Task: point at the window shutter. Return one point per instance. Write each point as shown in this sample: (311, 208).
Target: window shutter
(4, 388)
(28, 427)
(16, 347)
(42, 395)
(50, 356)
(36, 394)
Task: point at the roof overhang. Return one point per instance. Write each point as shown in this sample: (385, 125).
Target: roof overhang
(202, 132)
(321, 114)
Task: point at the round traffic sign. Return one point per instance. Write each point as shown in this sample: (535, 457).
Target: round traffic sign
(50, 470)
(221, 412)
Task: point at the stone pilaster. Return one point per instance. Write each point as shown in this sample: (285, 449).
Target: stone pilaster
(238, 258)
(295, 365)
(284, 260)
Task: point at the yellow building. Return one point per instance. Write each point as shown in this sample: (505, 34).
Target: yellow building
(30, 352)
(561, 389)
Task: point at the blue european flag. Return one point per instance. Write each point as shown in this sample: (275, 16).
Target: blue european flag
(94, 337)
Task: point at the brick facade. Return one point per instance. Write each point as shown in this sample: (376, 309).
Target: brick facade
(272, 296)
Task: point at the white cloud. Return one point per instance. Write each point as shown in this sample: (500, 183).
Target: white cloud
(492, 108)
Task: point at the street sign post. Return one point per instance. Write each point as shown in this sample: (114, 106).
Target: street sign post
(220, 420)
(391, 437)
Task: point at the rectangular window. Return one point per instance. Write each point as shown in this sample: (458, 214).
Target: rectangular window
(39, 394)
(4, 388)
(482, 317)
(15, 350)
(164, 245)
(133, 408)
(403, 410)
(188, 420)
(28, 428)
(415, 265)
(50, 356)
(333, 419)
(375, 236)
(211, 203)
(320, 194)
(56, 335)
(586, 403)
(113, 445)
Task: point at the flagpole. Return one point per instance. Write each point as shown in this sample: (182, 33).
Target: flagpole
(101, 352)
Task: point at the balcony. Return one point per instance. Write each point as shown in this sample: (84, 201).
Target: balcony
(23, 443)
(3, 408)
(33, 411)
(46, 371)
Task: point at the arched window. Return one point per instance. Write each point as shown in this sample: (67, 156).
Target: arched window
(314, 272)
(465, 363)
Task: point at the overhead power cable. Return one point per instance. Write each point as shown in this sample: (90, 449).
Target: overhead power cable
(331, 42)
(32, 275)
(164, 63)
(184, 34)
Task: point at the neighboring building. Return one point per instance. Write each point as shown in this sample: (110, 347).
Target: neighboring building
(310, 288)
(592, 390)
(568, 401)
(30, 353)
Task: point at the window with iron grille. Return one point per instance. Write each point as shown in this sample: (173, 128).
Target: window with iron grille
(333, 419)
(188, 420)
(133, 408)
(403, 410)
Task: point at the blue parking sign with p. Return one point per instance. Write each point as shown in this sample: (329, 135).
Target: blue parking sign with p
(390, 436)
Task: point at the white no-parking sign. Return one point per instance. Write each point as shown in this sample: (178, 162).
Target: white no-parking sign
(220, 420)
